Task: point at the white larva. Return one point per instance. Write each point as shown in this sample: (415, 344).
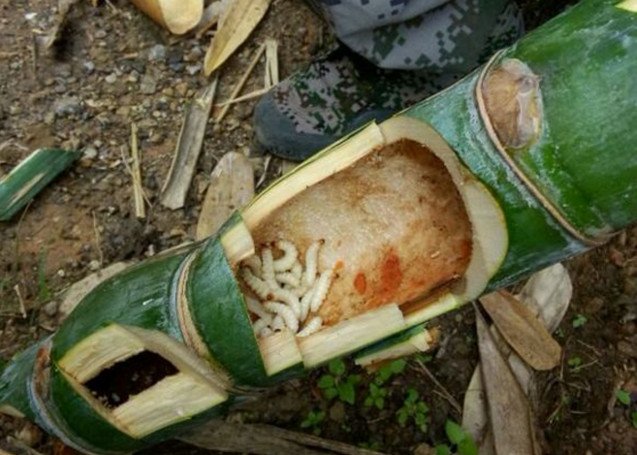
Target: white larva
(254, 262)
(290, 299)
(322, 286)
(265, 332)
(260, 324)
(288, 259)
(311, 263)
(277, 323)
(306, 301)
(255, 307)
(312, 326)
(260, 287)
(285, 312)
(287, 278)
(268, 268)
(297, 270)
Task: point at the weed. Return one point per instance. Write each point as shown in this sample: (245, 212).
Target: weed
(376, 396)
(633, 418)
(339, 384)
(387, 371)
(579, 320)
(463, 442)
(623, 397)
(575, 363)
(313, 421)
(413, 408)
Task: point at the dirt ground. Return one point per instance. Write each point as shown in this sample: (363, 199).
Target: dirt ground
(113, 67)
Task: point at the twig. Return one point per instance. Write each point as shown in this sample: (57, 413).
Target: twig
(237, 88)
(23, 309)
(138, 191)
(247, 96)
(443, 391)
(265, 440)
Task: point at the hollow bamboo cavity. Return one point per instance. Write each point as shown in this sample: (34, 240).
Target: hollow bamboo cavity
(515, 189)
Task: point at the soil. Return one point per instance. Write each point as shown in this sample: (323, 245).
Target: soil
(108, 71)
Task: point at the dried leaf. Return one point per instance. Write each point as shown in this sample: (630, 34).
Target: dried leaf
(211, 16)
(522, 330)
(509, 409)
(239, 21)
(188, 149)
(546, 293)
(231, 187)
(63, 7)
(178, 16)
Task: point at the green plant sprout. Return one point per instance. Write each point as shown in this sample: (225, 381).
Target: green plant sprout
(313, 421)
(458, 437)
(623, 397)
(376, 396)
(387, 371)
(338, 384)
(579, 320)
(413, 408)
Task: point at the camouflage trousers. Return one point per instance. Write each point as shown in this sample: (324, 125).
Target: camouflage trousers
(439, 36)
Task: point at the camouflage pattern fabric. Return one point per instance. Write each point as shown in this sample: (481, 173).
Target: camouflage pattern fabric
(396, 53)
(437, 35)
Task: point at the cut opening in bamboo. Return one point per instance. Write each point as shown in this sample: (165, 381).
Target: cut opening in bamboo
(395, 226)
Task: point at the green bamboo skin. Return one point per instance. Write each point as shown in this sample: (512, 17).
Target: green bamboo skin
(581, 163)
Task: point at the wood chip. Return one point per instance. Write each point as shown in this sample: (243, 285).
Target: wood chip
(231, 187)
(188, 148)
(240, 20)
(522, 330)
(178, 16)
(509, 410)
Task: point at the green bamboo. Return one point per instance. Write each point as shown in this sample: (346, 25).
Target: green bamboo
(582, 162)
(29, 177)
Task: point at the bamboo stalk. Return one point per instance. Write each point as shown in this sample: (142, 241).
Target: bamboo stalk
(192, 296)
(29, 177)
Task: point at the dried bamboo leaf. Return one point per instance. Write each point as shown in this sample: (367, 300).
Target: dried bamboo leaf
(522, 330)
(271, 74)
(76, 292)
(178, 16)
(509, 410)
(29, 177)
(188, 148)
(239, 21)
(548, 293)
(136, 175)
(231, 187)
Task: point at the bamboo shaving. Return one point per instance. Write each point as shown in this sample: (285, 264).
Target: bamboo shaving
(138, 190)
(271, 74)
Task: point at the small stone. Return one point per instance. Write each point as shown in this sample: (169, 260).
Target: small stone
(100, 34)
(337, 412)
(157, 53)
(90, 153)
(111, 78)
(182, 88)
(148, 85)
(193, 69)
(50, 309)
(61, 273)
(94, 265)
(67, 105)
(89, 67)
(29, 434)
